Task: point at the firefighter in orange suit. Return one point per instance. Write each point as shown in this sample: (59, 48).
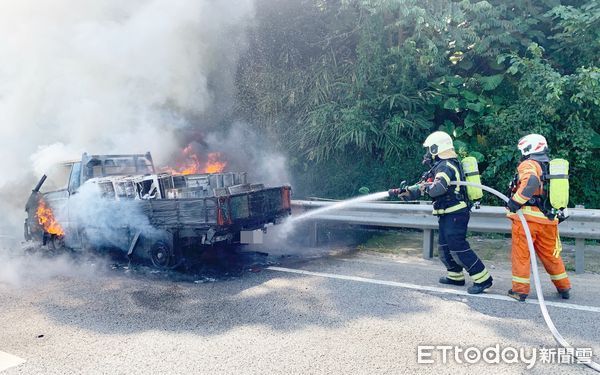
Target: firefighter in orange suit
(528, 194)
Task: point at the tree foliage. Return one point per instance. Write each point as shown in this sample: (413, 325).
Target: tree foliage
(349, 89)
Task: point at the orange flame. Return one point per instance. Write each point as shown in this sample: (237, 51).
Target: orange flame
(46, 219)
(193, 164)
(214, 165)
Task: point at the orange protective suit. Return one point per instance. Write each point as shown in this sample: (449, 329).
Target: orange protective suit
(544, 233)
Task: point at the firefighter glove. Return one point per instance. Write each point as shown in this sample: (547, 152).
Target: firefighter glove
(405, 195)
(394, 192)
(512, 205)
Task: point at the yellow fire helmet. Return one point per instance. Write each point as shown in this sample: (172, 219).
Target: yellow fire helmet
(438, 142)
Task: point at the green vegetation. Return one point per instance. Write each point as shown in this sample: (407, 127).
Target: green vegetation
(350, 89)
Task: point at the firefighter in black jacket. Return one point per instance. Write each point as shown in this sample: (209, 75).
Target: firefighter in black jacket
(451, 205)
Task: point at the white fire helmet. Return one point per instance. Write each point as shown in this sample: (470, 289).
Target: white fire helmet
(532, 144)
(438, 142)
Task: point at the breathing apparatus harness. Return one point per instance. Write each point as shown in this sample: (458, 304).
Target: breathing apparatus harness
(428, 177)
(465, 170)
(544, 201)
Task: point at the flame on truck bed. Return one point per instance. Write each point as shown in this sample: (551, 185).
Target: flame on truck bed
(193, 164)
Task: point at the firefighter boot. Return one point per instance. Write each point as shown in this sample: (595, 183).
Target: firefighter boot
(564, 293)
(477, 288)
(446, 280)
(518, 296)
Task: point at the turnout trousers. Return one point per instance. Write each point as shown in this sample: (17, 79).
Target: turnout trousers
(455, 251)
(546, 243)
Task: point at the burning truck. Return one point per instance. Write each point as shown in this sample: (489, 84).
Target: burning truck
(121, 202)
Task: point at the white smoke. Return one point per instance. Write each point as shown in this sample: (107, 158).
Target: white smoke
(245, 150)
(23, 269)
(107, 76)
(109, 222)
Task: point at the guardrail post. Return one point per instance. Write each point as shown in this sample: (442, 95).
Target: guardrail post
(314, 233)
(580, 255)
(579, 251)
(427, 243)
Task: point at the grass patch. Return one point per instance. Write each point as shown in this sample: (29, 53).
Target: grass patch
(394, 242)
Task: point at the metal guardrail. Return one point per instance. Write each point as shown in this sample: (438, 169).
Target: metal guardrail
(582, 224)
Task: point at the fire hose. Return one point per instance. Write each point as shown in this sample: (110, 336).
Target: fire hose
(536, 277)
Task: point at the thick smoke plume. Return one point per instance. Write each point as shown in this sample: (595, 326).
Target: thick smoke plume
(114, 76)
(109, 77)
(245, 150)
(21, 269)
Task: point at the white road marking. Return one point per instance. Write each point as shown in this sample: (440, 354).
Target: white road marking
(420, 264)
(8, 360)
(433, 289)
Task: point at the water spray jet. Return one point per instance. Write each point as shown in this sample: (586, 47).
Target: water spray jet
(287, 226)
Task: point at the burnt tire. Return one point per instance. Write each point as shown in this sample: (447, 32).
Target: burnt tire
(57, 243)
(163, 256)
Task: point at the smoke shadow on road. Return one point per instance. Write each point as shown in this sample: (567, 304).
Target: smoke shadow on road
(118, 303)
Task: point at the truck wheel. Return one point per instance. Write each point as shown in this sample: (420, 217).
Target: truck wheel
(163, 256)
(57, 243)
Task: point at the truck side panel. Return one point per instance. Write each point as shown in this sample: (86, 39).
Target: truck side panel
(200, 212)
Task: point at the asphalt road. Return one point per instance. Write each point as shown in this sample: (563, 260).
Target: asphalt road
(349, 313)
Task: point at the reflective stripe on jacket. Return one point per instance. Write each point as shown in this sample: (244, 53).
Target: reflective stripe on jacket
(528, 186)
(447, 198)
